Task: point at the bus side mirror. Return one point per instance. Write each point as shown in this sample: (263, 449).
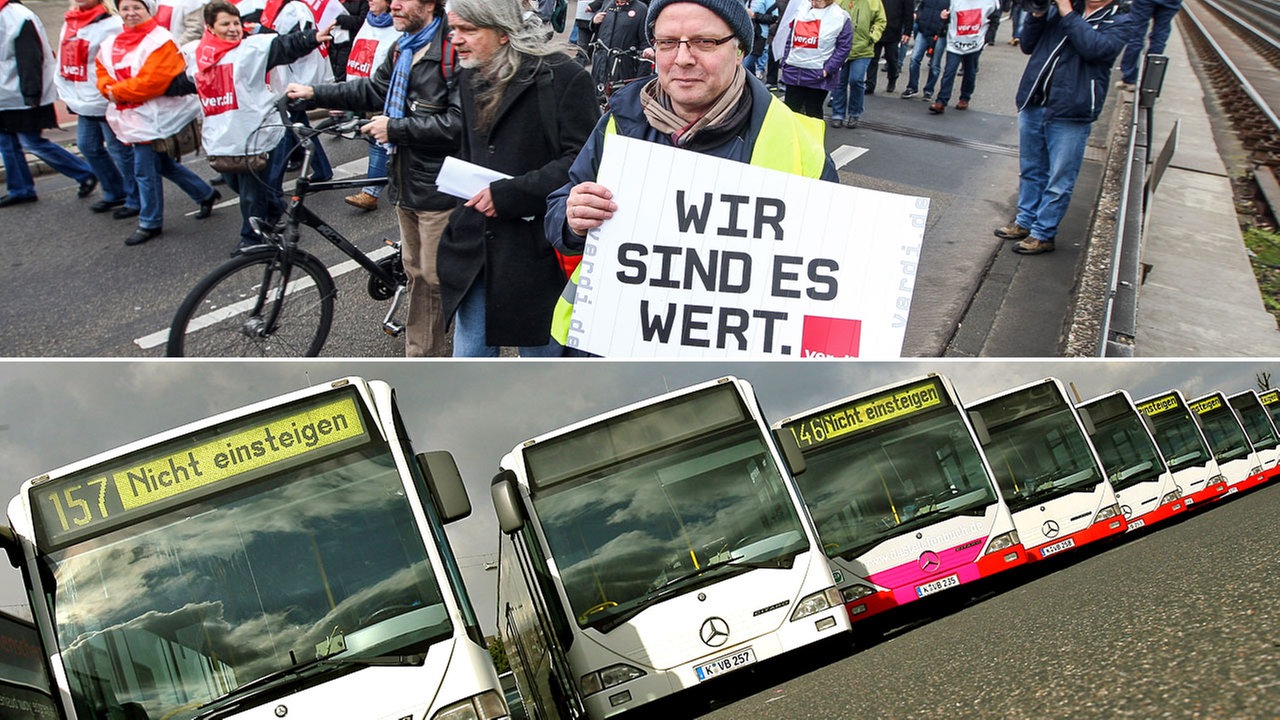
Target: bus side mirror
(790, 450)
(1086, 419)
(506, 502)
(979, 428)
(10, 543)
(445, 484)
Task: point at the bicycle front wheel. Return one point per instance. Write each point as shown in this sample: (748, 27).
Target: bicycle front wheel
(256, 305)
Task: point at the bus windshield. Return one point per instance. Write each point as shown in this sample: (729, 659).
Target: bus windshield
(881, 483)
(1224, 435)
(1127, 453)
(1180, 440)
(161, 618)
(1038, 450)
(1256, 424)
(666, 517)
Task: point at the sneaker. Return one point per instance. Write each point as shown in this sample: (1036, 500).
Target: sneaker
(908, 94)
(362, 200)
(937, 108)
(962, 104)
(928, 96)
(851, 122)
(1122, 85)
(142, 235)
(1033, 246)
(87, 187)
(1012, 231)
(837, 122)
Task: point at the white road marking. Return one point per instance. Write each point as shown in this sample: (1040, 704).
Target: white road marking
(355, 168)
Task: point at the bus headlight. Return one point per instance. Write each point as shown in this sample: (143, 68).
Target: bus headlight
(1170, 497)
(856, 592)
(1003, 542)
(608, 677)
(1107, 513)
(485, 706)
(1216, 479)
(816, 603)
(1256, 469)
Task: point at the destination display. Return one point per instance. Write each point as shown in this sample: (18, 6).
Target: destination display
(1270, 397)
(1158, 405)
(1207, 405)
(113, 494)
(868, 412)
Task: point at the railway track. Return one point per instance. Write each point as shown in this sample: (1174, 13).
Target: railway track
(1236, 42)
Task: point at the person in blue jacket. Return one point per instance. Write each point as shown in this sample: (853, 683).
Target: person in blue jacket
(1072, 49)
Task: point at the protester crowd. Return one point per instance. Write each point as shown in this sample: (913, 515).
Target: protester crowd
(486, 81)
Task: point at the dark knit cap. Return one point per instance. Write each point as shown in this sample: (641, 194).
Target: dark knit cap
(733, 12)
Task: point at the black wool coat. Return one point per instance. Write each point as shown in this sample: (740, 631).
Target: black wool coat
(544, 118)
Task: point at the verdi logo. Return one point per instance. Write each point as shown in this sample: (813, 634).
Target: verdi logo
(217, 89)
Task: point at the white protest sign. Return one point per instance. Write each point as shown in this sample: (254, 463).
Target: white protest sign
(714, 258)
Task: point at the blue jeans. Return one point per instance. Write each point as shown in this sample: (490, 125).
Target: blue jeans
(18, 174)
(1016, 16)
(1050, 153)
(149, 167)
(970, 80)
(468, 329)
(110, 159)
(847, 98)
(918, 49)
(1143, 13)
(261, 196)
(377, 167)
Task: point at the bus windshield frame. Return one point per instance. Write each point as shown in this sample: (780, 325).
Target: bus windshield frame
(292, 573)
(1256, 421)
(659, 501)
(1222, 429)
(869, 484)
(1021, 424)
(1121, 437)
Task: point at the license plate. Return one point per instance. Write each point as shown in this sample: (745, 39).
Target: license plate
(937, 585)
(1137, 524)
(728, 663)
(1233, 490)
(1057, 547)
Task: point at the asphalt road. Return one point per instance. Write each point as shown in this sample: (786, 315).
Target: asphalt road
(1180, 622)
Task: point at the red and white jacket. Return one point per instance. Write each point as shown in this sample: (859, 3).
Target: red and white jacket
(77, 77)
(370, 48)
(137, 76)
(12, 17)
(236, 94)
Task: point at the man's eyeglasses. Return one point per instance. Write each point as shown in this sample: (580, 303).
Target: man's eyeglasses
(702, 45)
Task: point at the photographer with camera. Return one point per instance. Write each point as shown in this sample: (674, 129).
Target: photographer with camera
(1072, 48)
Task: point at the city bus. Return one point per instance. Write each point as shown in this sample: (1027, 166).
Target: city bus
(1184, 448)
(901, 494)
(285, 559)
(1271, 401)
(1047, 470)
(1260, 429)
(25, 691)
(1143, 483)
(1239, 464)
(652, 549)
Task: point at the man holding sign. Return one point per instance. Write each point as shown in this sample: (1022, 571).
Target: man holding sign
(703, 101)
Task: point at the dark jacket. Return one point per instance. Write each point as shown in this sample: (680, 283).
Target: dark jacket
(929, 20)
(541, 124)
(631, 122)
(28, 54)
(897, 20)
(623, 28)
(1071, 58)
(430, 129)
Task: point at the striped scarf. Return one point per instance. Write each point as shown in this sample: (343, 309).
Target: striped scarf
(407, 45)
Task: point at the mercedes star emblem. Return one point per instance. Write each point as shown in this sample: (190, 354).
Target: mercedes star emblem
(1050, 528)
(929, 561)
(714, 632)
(1126, 510)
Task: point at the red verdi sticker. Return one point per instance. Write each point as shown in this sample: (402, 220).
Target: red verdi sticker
(217, 89)
(830, 337)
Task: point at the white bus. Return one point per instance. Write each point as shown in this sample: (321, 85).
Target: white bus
(1184, 448)
(285, 559)
(1260, 429)
(1271, 401)
(1047, 469)
(1239, 464)
(901, 494)
(650, 549)
(1144, 485)
(25, 691)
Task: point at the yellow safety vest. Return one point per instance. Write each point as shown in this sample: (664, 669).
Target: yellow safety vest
(787, 141)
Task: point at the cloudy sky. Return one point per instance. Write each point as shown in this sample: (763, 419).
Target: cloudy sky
(53, 413)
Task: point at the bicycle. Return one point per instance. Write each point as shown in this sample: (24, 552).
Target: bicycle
(256, 305)
(606, 68)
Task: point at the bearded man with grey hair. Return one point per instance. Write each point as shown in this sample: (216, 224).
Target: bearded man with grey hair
(527, 109)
